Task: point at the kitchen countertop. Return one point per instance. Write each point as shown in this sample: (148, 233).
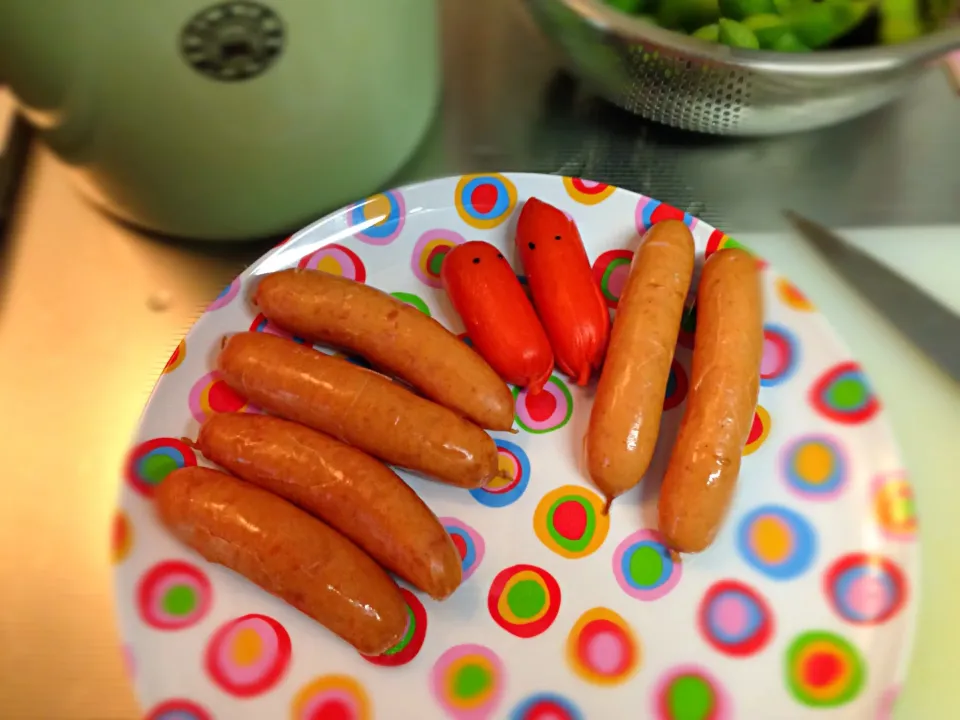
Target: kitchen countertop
(90, 311)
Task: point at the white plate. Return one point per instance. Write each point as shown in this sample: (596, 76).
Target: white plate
(806, 601)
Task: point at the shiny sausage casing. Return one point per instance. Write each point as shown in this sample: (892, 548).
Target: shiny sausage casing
(702, 472)
(286, 552)
(356, 495)
(359, 407)
(392, 335)
(565, 293)
(625, 418)
(498, 316)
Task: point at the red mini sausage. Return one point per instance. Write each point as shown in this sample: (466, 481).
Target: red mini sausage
(498, 316)
(564, 290)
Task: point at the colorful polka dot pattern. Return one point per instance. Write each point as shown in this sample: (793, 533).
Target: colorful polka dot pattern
(894, 508)
(541, 561)
(485, 201)
(379, 220)
(587, 192)
(815, 467)
(602, 648)
(511, 483)
(735, 619)
(174, 595)
(469, 544)
(611, 270)
(571, 521)
(336, 260)
(211, 395)
(150, 462)
(843, 395)
(429, 252)
(524, 600)
(777, 541)
(468, 682)
(865, 589)
(331, 696)
(546, 706)
(247, 656)
(824, 670)
(546, 411)
(644, 566)
(690, 692)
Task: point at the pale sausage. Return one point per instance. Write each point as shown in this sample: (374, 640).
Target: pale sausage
(625, 419)
(725, 381)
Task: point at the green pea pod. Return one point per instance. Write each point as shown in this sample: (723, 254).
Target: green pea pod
(817, 24)
(633, 7)
(741, 9)
(767, 28)
(788, 42)
(736, 35)
(687, 14)
(710, 33)
(899, 21)
(782, 7)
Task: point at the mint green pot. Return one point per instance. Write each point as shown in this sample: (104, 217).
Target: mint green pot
(224, 120)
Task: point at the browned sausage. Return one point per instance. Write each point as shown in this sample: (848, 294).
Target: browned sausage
(391, 334)
(359, 407)
(357, 495)
(286, 552)
(725, 381)
(625, 419)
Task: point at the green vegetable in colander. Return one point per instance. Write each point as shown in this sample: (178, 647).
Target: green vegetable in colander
(710, 33)
(687, 14)
(817, 24)
(788, 42)
(782, 6)
(740, 9)
(767, 27)
(899, 21)
(629, 6)
(736, 35)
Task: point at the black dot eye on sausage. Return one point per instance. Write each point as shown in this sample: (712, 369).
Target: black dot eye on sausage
(531, 245)
(476, 261)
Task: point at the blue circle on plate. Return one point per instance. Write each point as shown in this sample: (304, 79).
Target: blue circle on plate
(386, 229)
(500, 206)
(546, 705)
(508, 493)
(777, 541)
(788, 349)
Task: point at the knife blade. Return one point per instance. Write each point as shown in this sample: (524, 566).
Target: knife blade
(933, 328)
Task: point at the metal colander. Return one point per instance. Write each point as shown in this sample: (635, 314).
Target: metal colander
(690, 84)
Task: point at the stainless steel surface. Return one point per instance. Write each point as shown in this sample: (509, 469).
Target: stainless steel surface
(691, 84)
(933, 328)
(90, 310)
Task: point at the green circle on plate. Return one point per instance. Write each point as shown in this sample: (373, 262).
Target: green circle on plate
(847, 392)
(690, 698)
(413, 301)
(526, 599)
(156, 466)
(180, 600)
(407, 637)
(646, 566)
(471, 681)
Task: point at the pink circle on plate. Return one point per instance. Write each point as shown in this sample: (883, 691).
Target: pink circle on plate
(731, 615)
